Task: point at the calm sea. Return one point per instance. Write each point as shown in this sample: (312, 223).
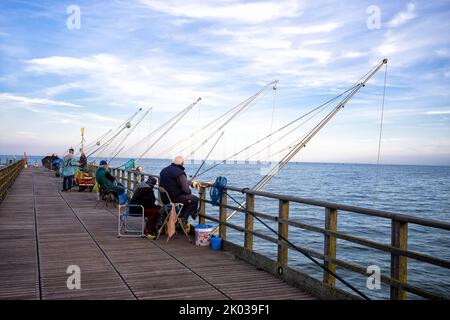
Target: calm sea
(422, 191)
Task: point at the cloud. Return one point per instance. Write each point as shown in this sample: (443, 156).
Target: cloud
(403, 16)
(248, 12)
(312, 29)
(157, 81)
(438, 112)
(57, 90)
(11, 98)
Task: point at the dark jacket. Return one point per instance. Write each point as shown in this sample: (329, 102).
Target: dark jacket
(83, 161)
(104, 178)
(143, 196)
(174, 180)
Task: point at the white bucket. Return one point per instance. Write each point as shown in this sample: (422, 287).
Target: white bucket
(203, 234)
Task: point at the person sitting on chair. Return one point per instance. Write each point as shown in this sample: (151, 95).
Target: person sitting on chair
(174, 180)
(107, 181)
(145, 197)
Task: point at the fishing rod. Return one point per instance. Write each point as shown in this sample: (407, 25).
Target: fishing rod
(323, 105)
(122, 127)
(210, 124)
(235, 114)
(206, 158)
(127, 135)
(285, 135)
(265, 179)
(175, 119)
(96, 142)
(113, 132)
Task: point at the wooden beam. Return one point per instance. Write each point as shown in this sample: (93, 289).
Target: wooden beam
(399, 267)
(330, 246)
(128, 184)
(250, 207)
(283, 214)
(223, 217)
(202, 208)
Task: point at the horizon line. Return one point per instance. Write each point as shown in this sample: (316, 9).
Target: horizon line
(265, 161)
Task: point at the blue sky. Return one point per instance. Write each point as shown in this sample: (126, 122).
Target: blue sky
(165, 54)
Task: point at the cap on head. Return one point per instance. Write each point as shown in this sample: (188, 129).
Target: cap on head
(103, 163)
(179, 160)
(151, 181)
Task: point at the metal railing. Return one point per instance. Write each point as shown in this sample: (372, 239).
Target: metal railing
(8, 175)
(398, 248)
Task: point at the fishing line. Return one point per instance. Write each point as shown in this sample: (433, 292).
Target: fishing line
(234, 115)
(206, 158)
(379, 137)
(176, 119)
(281, 128)
(271, 122)
(122, 127)
(127, 135)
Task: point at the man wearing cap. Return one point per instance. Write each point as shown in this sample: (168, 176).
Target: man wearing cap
(107, 181)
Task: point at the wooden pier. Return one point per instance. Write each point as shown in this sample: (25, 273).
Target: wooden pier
(44, 231)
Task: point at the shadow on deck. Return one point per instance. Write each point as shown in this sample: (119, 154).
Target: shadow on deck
(43, 231)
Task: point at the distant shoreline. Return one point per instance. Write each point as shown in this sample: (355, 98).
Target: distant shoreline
(3, 157)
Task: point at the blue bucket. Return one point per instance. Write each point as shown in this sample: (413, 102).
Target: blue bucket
(216, 243)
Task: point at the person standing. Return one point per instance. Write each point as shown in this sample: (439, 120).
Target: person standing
(67, 168)
(83, 161)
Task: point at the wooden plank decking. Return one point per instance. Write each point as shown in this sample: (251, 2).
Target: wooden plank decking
(43, 231)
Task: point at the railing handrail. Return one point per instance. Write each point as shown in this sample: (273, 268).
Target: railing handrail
(338, 206)
(343, 207)
(8, 175)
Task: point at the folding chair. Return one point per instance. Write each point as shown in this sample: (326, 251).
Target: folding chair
(167, 207)
(123, 224)
(105, 196)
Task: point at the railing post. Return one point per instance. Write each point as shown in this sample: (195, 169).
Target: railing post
(223, 217)
(249, 207)
(399, 239)
(135, 180)
(202, 208)
(128, 184)
(330, 246)
(120, 174)
(283, 214)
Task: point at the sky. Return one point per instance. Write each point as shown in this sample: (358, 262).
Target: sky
(71, 64)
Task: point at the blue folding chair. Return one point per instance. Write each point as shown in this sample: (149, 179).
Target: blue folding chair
(124, 229)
